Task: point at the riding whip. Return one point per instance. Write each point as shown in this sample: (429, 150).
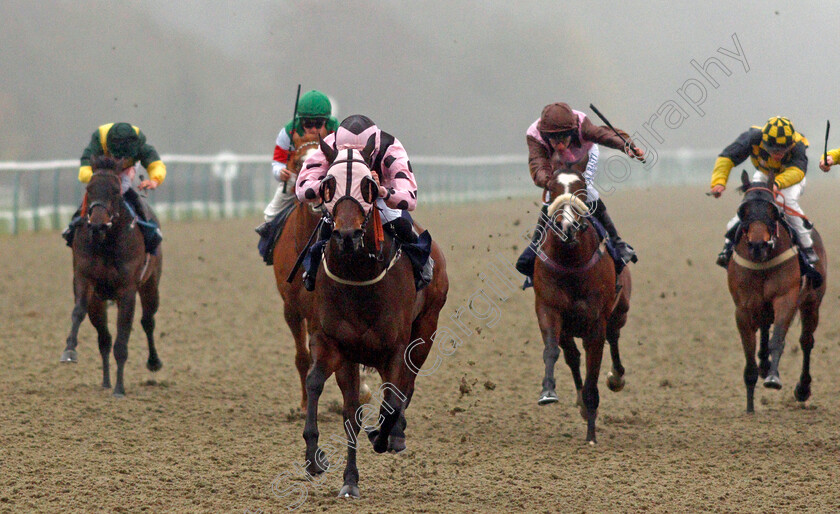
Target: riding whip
(605, 120)
(825, 154)
(302, 255)
(294, 124)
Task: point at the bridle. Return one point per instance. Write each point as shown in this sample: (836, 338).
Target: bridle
(112, 216)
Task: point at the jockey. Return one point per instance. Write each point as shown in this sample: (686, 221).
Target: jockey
(779, 149)
(397, 189)
(123, 140)
(313, 117)
(565, 135)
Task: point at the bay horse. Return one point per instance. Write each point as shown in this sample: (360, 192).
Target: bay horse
(577, 295)
(766, 286)
(110, 263)
(368, 313)
(298, 303)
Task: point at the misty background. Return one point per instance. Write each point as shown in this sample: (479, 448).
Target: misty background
(447, 78)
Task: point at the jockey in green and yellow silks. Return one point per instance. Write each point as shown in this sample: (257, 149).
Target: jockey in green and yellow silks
(125, 141)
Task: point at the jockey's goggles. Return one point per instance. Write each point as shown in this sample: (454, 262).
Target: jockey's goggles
(309, 123)
(558, 137)
(776, 149)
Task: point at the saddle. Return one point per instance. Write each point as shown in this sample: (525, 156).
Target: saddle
(266, 244)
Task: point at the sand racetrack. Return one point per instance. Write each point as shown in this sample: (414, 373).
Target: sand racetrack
(212, 430)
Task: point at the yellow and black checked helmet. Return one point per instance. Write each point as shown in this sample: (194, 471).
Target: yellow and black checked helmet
(777, 134)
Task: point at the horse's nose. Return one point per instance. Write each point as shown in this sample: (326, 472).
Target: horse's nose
(349, 239)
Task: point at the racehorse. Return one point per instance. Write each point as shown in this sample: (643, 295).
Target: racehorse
(368, 313)
(577, 295)
(110, 263)
(766, 286)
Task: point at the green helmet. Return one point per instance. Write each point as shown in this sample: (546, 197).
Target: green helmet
(314, 104)
(123, 141)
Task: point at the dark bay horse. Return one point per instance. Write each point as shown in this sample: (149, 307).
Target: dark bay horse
(766, 286)
(110, 263)
(577, 296)
(368, 313)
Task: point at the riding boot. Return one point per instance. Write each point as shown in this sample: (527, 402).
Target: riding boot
(728, 246)
(525, 262)
(802, 234)
(403, 230)
(152, 236)
(70, 231)
(316, 253)
(626, 252)
(264, 230)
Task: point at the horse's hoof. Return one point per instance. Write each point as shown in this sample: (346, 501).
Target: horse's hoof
(801, 393)
(154, 365)
(547, 397)
(69, 356)
(615, 382)
(364, 394)
(349, 491)
(106, 384)
(396, 444)
(772, 382)
(119, 395)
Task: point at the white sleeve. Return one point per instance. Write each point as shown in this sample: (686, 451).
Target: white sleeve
(592, 165)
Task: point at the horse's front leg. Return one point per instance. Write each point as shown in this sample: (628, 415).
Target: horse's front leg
(809, 313)
(125, 317)
(763, 351)
(80, 307)
(784, 308)
(98, 315)
(593, 344)
(746, 328)
(550, 330)
(324, 363)
(348, 381)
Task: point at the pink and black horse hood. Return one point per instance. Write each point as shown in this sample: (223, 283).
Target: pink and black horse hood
(349, 177)
(388, 160)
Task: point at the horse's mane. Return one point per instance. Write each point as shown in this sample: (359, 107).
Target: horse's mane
(103, 162)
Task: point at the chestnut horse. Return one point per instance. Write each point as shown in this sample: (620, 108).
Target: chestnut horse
(298, 307)
(110, 263)
(577, 295)
(766, 286)
(368, 313)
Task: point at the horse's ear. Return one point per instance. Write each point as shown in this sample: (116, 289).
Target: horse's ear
(329, 151)
(370, 191)
(771, 180)
(328, 188)
(367, 151)
(745, 179)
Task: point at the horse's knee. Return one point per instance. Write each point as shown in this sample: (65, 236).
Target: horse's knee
(750, 375)
(314, 384)
(591, 398)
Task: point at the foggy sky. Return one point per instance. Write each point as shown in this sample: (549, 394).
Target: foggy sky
(445, 77)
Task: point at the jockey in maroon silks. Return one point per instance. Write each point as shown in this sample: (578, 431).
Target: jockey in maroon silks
(397, 191)
(565, 136)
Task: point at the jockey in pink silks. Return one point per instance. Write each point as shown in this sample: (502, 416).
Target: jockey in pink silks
(397, 192)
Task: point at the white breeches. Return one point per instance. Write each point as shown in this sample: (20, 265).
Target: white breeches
(790, 196)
